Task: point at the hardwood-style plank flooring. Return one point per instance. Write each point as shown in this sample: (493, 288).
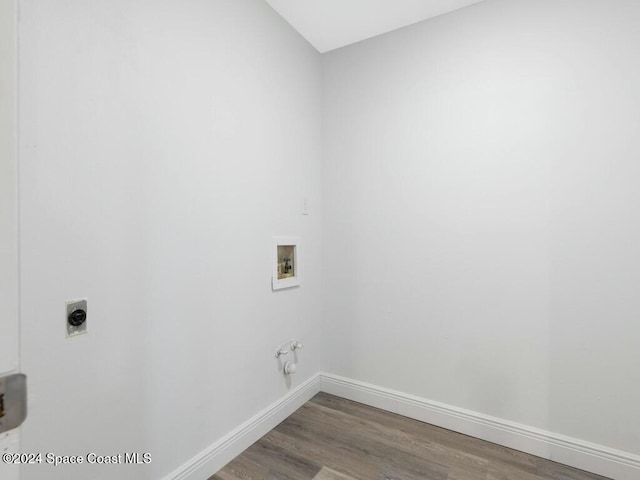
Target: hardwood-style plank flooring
(330, 438)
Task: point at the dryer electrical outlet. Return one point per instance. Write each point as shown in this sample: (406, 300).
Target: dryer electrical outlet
(76, 319)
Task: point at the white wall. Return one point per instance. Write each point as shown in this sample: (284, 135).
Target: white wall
(479, 235)
(481, 195)
(163, 144)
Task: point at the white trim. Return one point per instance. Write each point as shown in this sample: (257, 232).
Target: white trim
(206, 463)
(9, 217)
(9, 245)
(591, 457)
(577, 453)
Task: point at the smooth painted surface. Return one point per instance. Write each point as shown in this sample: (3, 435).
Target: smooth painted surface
(8, 190)
(481, 233)
(9, 301)
(163, 145)
(480, 181)
(331, 24)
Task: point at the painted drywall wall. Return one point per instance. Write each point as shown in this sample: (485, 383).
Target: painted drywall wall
(163, 144)
(480, 197)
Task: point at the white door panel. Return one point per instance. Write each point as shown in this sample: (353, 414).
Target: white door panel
(8, 191)
(9, 443)
(9, 320)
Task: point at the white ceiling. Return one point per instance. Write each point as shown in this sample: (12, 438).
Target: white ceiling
(330, 24)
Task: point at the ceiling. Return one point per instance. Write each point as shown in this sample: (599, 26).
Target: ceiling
(331, 24)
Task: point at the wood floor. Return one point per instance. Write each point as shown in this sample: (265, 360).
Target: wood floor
(330, 438)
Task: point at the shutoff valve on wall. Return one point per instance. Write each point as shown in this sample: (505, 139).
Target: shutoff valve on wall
(289, 367)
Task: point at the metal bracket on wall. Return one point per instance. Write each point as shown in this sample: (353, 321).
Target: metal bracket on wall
(13, 401)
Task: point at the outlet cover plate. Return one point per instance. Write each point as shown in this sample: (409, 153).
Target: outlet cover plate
(71, 306)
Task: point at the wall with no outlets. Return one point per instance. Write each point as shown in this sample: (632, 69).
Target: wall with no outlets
(480, 194)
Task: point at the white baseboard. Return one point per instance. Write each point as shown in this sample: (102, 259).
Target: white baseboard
(206, 463)
(577, 453)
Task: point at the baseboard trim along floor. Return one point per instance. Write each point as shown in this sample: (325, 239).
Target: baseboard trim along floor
(208, 462)
(576, 453)
(587, 456)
